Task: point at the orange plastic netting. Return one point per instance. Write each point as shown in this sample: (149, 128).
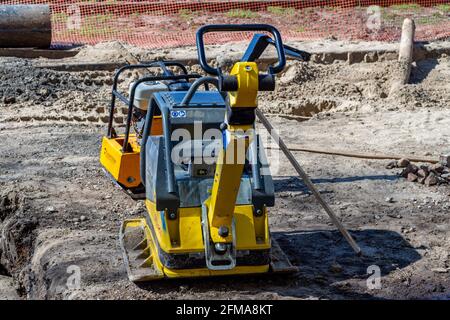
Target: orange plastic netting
(152, 23)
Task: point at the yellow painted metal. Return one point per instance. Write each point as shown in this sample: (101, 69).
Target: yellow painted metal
(261, 226)
(205, 272)
(241, 128)
(247, 76)
(231, 160)
(252, 233)
(227, 180)
(155, 261)
(182, 235)
(243, 214)
(185, 235)
(124, 167)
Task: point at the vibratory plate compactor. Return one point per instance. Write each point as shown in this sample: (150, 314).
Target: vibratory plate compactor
(207, 206)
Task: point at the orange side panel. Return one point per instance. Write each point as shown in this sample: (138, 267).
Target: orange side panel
(156, 126)
(124, 167)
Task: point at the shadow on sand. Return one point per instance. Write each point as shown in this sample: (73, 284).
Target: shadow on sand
(323, 257)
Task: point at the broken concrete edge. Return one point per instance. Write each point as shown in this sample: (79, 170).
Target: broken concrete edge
(422, 51)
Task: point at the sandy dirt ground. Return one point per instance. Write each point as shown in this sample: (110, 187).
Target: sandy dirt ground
(58, 210)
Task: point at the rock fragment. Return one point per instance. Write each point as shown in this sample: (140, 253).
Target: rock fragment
(403, 163)
(422, 172)
(391, 165)
(421, 180)
(444, 159)
(411, 168)
(440, 270)
(336, 268)
(50, 209)
(9, 100)
(437, 168)
(412, 177)
(431, 180)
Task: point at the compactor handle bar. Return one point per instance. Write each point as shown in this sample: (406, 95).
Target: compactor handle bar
(239, 27)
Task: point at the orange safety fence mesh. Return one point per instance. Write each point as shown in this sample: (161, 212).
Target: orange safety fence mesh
(156, 24)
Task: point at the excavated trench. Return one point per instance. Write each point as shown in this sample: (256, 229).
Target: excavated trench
(9, 204)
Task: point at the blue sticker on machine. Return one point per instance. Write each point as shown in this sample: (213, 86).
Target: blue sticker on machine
(224, 139)
(178, 113)
(163, 220)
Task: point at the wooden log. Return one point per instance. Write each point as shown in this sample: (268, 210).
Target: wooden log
(25, 26)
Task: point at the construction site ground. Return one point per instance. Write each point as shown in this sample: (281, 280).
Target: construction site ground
(57, 208)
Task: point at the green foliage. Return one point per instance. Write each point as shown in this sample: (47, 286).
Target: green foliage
(185, 14)
(444, 7)
(95, 25)
(240, 13)
(281, 11)
(99, 18)
(406, 7)
(59, 17)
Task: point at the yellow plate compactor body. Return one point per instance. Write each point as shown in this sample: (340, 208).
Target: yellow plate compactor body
(155, 246)
(207, 206)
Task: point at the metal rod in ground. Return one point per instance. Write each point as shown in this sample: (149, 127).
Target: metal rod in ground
(308, 182)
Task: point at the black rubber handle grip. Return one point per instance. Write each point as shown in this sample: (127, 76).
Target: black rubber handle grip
(266, 82)
(239, 27)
